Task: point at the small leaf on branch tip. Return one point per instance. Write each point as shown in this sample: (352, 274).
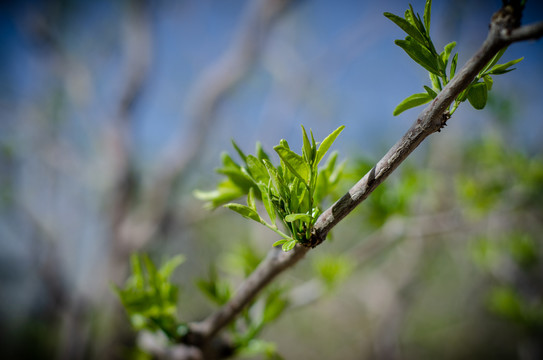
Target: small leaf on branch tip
(307, 150)
(251, 199)
(453, 65)
(411, 102)
(430, 92)
(293, 217)
(477, 95)
(488, 81)
(294, 162)
(406, 26)
(420, 54)
(427, 15)
(447, 52)
(494, 60)
(289, 245)
(244, 211)
(257, 169)
(504, 68)
(266, 199)
(436, 82)
(280, 242)
(240, 153)
(326, 143)
(260, 153)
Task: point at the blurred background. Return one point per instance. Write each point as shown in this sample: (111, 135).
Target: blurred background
(113, 112)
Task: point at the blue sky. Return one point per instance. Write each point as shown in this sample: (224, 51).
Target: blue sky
(325, 64)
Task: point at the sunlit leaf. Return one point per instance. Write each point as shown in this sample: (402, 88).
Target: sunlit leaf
(494, 60)
(307, 149)
(293, 217)
(260, 153)
(240, 153)
(420, 54)
(266, 200)
(406, 26)
(436, 82)
(251, 199)
(244, 211)
(411, 102)
(427, 16)
(447, 52)
(257, 169)
(289, 245)
(504, 68)
(430, 92)
(281, 242)
(326, 143)
(294, 162)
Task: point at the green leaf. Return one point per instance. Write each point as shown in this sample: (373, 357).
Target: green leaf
(411, 102)
(294, 162)
(244, 211)
(276, 180)
(240, 153)
(226, 191)
(477, 95)
(415, 20)
(420, 54)
(260, 153)
(488, 81)
(293, 217)
(453, 65)
(251, 199)
(257, 169)
(169, 266)
(326, 143)
(406, 26)
(427, 16)
(307, 150)
(446, 53)
(436, 82)
(430, 92)
(494, 60)
(289, 245)
(504, 68)
(280, 242)
(266, 199)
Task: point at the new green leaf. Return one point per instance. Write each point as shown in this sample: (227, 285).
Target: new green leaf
(294, 162)
(411, 102)
(244, 211)
(477, 95)
(326, 143)
(420, 54)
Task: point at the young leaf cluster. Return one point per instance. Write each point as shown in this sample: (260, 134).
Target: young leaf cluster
(419, 46)
(150, 299)
(291, 192)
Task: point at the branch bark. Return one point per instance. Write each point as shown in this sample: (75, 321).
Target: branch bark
(432, 119)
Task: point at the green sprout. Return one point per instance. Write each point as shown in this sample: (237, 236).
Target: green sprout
(419, 46)
(291, 192)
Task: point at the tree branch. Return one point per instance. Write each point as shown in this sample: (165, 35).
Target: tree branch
(432, 119)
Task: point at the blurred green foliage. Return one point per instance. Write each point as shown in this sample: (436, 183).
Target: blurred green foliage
(150, 299)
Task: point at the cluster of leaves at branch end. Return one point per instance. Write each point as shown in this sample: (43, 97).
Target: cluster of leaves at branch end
(419, 46)
(149, 298)
(291, 192)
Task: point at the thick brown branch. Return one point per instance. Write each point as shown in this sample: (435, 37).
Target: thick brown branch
(431, 120)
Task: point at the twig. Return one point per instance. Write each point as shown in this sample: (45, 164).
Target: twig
(431, 120)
